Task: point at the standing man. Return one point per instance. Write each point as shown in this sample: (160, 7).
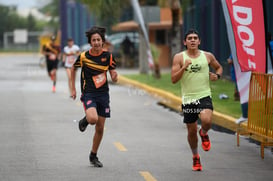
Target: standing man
(71, 52)
(192, 68)
(94, 65)
(233, 78)
(127, 51)
(52, 53)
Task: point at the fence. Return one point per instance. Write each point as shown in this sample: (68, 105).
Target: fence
(33, 42)
(260, 109)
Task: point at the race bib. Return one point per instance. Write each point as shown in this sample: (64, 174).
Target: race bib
(52, 56)
(99, 80)
(70, 59)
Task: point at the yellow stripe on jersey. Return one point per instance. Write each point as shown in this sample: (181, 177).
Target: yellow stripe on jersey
(93, 65)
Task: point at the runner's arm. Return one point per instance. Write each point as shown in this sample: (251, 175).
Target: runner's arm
(112, 71)
(178, 67)
(114, 75)
(216, 66)
(73, 77)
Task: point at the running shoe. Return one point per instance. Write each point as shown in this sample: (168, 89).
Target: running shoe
(241, 120)
(53, 89)
(205, 141)
(196, 164)
(83, 124)
(95, 161)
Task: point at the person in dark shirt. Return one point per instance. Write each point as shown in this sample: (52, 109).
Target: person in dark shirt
(52, 53)
(94, 65)
(270, 40)
(233, 78)
(127, 51)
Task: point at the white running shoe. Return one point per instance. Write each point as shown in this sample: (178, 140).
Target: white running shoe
(241, 120)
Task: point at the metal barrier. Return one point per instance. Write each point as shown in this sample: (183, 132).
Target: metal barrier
(260, 110)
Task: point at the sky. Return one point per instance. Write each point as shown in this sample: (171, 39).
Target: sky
(24, 4)
(25, 7)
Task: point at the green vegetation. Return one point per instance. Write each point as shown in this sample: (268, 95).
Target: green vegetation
(10, 50)
(225, 106)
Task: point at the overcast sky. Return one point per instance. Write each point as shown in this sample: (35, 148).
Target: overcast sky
(24, 4)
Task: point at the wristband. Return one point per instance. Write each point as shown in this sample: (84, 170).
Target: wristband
(218, 76)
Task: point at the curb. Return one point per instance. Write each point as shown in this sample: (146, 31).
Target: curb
(174, 102)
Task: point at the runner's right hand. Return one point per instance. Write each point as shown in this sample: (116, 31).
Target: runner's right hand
(73, 94)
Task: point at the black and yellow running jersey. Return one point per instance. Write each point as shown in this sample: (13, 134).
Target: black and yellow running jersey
(52, 48)
(94, 69)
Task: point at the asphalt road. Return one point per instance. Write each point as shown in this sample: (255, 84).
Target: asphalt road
(40, 140)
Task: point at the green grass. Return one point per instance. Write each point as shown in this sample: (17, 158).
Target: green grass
(34, 50)
(225, 106)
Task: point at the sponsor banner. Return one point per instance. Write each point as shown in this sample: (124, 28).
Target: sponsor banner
(247, 24)
(246, 35)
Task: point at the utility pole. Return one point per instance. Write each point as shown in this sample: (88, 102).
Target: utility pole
(143, 63)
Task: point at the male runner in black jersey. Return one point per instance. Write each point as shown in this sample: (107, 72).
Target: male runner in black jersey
(52, 53)
(94, 65)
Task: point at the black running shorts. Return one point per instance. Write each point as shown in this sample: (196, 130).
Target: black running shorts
(99, 101)
(51, 65)
(192, 110)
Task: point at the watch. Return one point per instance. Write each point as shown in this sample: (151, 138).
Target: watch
(218, 76)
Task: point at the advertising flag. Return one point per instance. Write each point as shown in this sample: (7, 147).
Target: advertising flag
(247, 40)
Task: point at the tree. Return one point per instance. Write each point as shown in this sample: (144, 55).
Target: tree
(31, 23)
(112, 8)
(155, 53)
(52, 9)
(10, 21)
(107, 9)
(176, 29)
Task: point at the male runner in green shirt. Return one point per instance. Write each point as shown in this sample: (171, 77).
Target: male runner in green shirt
(192, 68)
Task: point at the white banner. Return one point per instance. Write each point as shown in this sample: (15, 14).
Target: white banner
(20, 36)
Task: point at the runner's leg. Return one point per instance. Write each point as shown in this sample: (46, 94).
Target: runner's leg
(205, 117)
(68, 72)
(91, 115)
(192, 136)
(98, 134)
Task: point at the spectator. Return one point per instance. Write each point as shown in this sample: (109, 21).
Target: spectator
(233, 78)
(127, 51)
(270, 43)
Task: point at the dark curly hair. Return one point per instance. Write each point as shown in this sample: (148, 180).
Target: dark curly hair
(191, 31)
(96, 29)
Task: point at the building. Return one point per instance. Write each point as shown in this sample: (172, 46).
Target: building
(159, 25)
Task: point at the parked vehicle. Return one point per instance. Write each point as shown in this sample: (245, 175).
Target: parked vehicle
(117, 39)
(85, 47)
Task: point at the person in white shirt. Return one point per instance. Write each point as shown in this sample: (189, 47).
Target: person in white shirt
(71, 52)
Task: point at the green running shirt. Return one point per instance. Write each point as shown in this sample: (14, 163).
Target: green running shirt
(195, 80)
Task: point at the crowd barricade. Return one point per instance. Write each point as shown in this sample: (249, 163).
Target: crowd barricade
(260, 111)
